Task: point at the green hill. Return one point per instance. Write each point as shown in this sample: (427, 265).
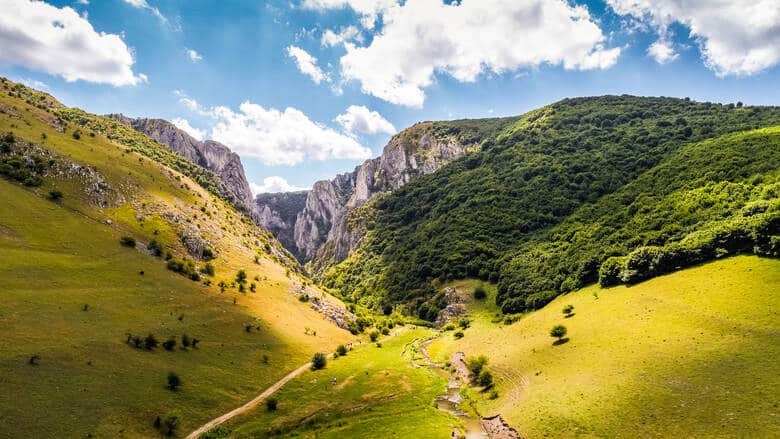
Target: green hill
(612, 173)
(100, 245)
(689, 354)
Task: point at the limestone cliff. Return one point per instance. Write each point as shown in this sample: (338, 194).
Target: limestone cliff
(209, 154)
(327, 229)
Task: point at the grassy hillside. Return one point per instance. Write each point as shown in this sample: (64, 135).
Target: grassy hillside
(72, 293)
(690, 354)
(379, 392)
(471, 217)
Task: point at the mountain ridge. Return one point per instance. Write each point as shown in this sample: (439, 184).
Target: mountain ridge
(209, 154)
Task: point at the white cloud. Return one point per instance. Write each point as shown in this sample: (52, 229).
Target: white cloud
(34, 83)
(662, 51)
(368, 10)
(82, 2)
(273, 184)
(194, 56)
(142, 4)
(184, 125)
(307, 64)
(361, 119)
(735, 37)
(349, 33)
(281, 137)
(426, 37)
(58, 41)
(188, 101)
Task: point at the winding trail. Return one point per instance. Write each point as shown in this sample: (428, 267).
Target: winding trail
(249, 405)
(266, 393)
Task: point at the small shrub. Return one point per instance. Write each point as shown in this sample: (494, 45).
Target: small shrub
(169, 424)
(270, 404)
(185, 341)
(155, 248)
(373, 335)
(480, 293)
(150, 342)
(464, 323)
(558, 331)
(319, 361)
(485, 378)
(127, 241)
(449, 327)
(241, 277)
(169, 344)
(174, 382)
(341, 350)
(55, 195)
(568, 310)
(458, 334)
(476, 364)
(77, 134)
(385, 331)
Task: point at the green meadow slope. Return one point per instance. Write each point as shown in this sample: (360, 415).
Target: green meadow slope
(689, 354)
(380, 392)
(72, 296)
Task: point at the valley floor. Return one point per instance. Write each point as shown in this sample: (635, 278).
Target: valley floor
(690, 354)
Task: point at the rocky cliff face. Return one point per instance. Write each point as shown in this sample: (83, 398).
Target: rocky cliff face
(211, 155)
(326, 230)
(277, 213)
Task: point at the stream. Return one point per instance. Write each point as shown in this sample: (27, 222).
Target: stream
(451, 400)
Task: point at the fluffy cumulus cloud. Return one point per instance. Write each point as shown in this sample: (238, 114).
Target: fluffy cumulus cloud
(184, 125)
(189, 102)
(348, 33)
(359, 119)
(281, 137)
(662, 51)
(273, 184)
(424, 37)
(735, 37)
(194, 55)
(368, 10)
(307, 64)
(60, 42)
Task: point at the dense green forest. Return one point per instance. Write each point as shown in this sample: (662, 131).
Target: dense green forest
(547, 200)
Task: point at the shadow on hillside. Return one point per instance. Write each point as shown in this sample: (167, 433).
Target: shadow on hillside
(561, 341)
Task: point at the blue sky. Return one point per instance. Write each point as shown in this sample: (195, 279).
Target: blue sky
(244, 51)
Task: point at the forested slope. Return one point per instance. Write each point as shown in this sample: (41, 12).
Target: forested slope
(486, 214)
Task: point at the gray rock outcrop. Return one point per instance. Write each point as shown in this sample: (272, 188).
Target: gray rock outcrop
(323, 231)
(209, 154)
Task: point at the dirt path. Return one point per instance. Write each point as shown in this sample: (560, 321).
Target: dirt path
(268, 392)
(251, 404)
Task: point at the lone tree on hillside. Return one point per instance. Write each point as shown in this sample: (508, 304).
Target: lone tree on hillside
(485, 378)
(558, 331)
(568, 310)
(319, 361)
(174, 382)
(241, 277)
(480, 293)
(341, 350)
(476, 364)
(270, 404)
